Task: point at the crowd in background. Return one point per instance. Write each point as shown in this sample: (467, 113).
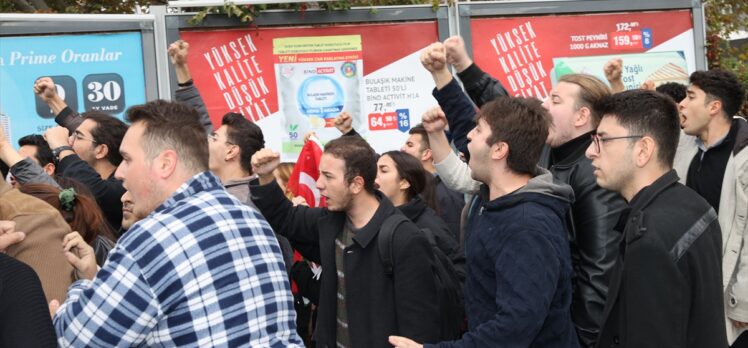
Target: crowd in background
(597, 217)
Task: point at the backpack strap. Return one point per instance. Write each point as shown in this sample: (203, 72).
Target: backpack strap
(385, 238)
(430, 237)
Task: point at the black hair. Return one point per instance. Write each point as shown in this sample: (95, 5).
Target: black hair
(723, 86)
(108, 131)
(674, 90)
(245, 134)
(649, 113)
(43, 152)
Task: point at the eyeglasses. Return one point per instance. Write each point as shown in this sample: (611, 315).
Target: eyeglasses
(597, 139)
(77, 135)
(214, 138)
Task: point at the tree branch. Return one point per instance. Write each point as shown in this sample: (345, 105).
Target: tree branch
(23, 6)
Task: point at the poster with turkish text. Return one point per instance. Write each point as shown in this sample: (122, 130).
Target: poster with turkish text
(318, 78)
(658, 67)
(237, 70)
(522, 52)
(101, 72)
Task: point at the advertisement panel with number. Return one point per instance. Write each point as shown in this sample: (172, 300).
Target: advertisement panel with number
(91, 71)
(528, 53)
(244, 70)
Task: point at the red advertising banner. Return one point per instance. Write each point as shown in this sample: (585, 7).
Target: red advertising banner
(519, 51)
(234, 69)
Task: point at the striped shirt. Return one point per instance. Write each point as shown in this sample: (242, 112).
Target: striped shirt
(202, 270)
(343, 240)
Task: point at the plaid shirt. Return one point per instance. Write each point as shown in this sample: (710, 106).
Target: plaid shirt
(201, 270)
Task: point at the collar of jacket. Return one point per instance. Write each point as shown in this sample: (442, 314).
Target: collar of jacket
(413, 209)
(365, 234)
(542, 188)
(741, 134)
(571, 152)
(239, 181)
(203, 181)
(645, 196)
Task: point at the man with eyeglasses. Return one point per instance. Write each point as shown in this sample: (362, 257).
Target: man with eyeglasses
(86, 148)
(665, 288)
(594, 211)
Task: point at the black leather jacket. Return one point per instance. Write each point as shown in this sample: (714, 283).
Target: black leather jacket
(594, 213)
(594, 244)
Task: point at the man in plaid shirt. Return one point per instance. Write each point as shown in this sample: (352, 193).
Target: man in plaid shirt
(202, 269)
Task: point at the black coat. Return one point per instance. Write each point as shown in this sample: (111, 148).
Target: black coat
(424, 217)
(378, 305)
(450, 207)
(594, 245)
(666, 286)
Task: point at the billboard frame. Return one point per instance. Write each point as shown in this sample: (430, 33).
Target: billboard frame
(13, 25)
(279, 18)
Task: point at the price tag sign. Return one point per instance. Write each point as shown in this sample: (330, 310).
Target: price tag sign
(631, 40)
(66, 89)
(403, 119)
(383, 121)
(104, 92)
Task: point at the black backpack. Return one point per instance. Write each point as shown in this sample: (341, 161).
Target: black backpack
(448, 286)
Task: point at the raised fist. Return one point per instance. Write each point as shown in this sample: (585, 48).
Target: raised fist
(178, 51)
(264, 162)
(456, 53)
(434, 120)
(45, 88)
(434, 57)
(344, 122)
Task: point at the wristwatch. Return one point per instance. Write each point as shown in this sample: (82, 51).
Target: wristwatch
(58, 150)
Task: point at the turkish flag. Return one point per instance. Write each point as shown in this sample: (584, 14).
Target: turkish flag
(303, 180)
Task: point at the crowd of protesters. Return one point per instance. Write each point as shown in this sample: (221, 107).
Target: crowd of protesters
(597, 217)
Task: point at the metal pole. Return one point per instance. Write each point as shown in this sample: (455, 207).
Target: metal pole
(162, 59)
(699, 35)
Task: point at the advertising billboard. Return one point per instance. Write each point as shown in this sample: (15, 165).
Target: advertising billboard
(528, 53)
(92, 72)
(371, 71)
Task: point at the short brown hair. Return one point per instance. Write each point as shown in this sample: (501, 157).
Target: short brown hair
(591, 90)
(523, 124)
(172, 125)
(360, 159)
(420, 130)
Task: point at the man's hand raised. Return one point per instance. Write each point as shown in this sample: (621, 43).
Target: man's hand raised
(46, 89)
(613, 70)
(344, 122)
(456, 53)
(434, 120)
(178, 52)
(434, 57)
(264, 163)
